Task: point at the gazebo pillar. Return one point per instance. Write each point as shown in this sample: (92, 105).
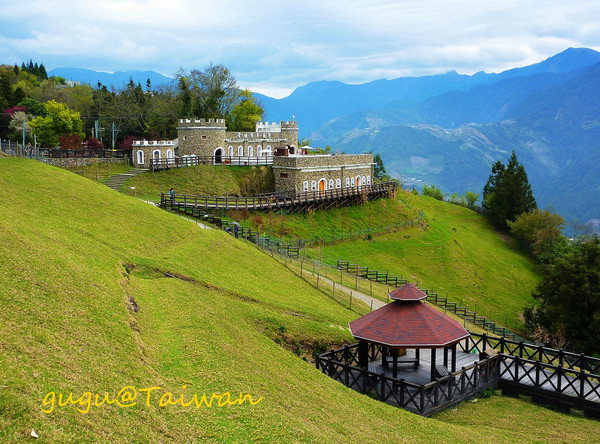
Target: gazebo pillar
(384, 352)
(453, 357)
(417, 357)
(363, 354)
(433, 364)
(395, 366)
(446, 356)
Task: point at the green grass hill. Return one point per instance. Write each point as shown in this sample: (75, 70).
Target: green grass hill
(87, 307)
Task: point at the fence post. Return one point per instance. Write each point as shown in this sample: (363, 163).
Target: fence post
(582, 379)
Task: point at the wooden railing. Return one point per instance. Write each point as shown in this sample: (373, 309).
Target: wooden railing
(536, 352)
(426, 399)
(434, 298)
(269, 202)
(179, 162)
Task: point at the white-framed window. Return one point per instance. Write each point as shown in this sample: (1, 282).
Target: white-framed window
(368, 180)
(250, 151)
(240, 151)
(268, 151)
(363, 180)
(259, 150)
(338, 183)
(156, 155)
(305, 186)
(313, 185)
(170, 156)
(347, 182)
(140, 157)
(331, 184)
(353, 182)
(230, 151)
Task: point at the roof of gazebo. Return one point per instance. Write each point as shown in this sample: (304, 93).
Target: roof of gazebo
(409, 325)
(408, 292)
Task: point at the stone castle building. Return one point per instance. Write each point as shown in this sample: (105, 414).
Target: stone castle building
(276, 144)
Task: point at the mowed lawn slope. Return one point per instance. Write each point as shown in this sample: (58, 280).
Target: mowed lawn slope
(457, 253)
(73, 256)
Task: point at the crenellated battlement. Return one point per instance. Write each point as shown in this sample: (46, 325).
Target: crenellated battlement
(153, 143)
(202, 123)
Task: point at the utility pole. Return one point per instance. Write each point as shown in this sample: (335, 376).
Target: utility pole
(23, 147)
(113, 135)
(97, 127)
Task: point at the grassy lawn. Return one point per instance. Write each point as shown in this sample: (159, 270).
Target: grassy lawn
(455, 252)
(204, 180)
(100, 171)
(73, 258)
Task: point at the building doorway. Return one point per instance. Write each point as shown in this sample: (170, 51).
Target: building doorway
(218, 155)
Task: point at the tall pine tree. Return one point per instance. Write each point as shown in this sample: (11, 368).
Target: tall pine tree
(507, 192)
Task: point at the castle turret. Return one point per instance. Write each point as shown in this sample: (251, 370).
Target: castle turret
(201, 137)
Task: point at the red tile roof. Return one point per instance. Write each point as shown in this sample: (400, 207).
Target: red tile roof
(408, 324)
(408, 292)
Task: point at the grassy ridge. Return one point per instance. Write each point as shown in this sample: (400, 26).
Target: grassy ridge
(74, 253)
(204, 180)
(455, 252)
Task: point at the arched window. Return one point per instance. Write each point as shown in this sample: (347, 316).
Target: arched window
(170, 157)
(259, 150)
(156, 155)
(230, 151)
(140, 157)
(250, 151)
(347, 182)
(363, 180)
(331, 184)
(313, 185)
(305, 186)
(338, 183)
(240, 151)
(368, 180)
(353, 182)
(268, 151)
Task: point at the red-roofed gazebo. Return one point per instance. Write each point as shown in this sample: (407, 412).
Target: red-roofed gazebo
(408, 323)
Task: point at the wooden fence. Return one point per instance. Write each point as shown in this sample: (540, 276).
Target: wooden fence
(425, 399)
(294, 202)
(432, 297)
(179, 162)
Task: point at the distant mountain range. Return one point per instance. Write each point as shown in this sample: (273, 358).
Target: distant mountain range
(116, 80)
(448, 129)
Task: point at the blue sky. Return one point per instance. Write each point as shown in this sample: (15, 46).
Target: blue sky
(274, 47)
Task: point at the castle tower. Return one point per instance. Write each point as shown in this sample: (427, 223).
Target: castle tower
(201, 137)
(289, 132)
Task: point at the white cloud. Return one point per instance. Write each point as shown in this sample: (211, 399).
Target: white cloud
(277, 46)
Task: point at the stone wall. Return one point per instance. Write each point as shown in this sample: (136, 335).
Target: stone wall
(292, 172)
(72, 162)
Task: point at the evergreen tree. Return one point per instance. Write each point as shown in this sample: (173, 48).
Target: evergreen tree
(43, 73)
(507, 192)
(379, 172)
(570, 297)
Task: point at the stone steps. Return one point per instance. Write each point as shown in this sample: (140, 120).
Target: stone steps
(116, 182)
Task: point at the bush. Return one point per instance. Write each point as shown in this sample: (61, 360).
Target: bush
(433, 191)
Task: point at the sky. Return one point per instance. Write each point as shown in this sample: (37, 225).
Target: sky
(273, 47)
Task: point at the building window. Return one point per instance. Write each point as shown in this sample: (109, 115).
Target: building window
(156, 155)
(368, 180)
(353, 182)
(338, 183)
(203, 137)
(347, 182)
(259, 150)
(140, 157)
(283, 175)
(230, 151)
(267, 152)
(250, 151)
(313, 186)
(305, 185)
(363, 180)
(331, 184)
(184, 137)
(240, 151)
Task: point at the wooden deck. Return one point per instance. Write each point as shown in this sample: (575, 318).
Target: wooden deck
(422, 374)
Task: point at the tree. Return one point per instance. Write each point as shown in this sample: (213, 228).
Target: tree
(70, 141)
(471, 198)
(246, 113)
(34, 107)
(59, 121)
(16, 125)
(569, 297)
(379, 172)
(507, 192)
(433, 191)
(215, 91)
(538, 230)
